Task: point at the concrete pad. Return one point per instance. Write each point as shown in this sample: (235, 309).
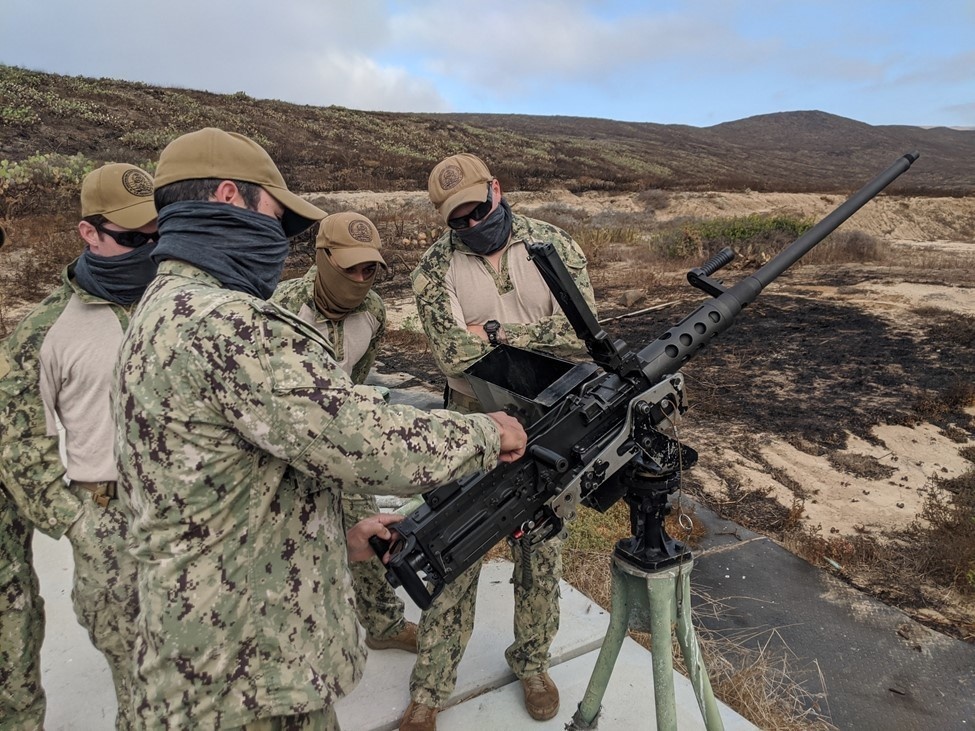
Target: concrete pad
(75, 676)
(627, 704)
(81, 696)
(382, 696)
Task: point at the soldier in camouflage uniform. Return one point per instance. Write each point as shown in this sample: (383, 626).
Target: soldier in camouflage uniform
(237, 434)
(475, 288)
(22, 699)
(336, 298)
(57, 366)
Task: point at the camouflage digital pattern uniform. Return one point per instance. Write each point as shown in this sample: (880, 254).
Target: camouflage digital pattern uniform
(237, 434)
(22, 702)
(103, 591)
(321, 720)
(378, 608)
(445, 628)
(453, 347)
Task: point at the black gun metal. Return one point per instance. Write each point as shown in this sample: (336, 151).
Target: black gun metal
(597, 432)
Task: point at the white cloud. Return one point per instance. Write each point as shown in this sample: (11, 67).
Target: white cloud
(500, 48)
(305, 51)
(352, 80)
(670, 60)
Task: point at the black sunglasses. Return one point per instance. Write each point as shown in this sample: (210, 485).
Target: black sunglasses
(482, 209)
(128, 239)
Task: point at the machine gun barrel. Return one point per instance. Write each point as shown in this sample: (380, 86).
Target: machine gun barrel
(667, 353)
(801, 246)
(586, 425)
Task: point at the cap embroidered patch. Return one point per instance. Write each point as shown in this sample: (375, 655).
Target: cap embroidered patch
(457, 180)
(450, 177)
(137, 183)
(360, 231)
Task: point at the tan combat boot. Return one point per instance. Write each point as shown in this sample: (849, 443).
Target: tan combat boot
(405, 639)
(541, 696)
(419, 717)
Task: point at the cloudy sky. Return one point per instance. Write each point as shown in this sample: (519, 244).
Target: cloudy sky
(697, 62)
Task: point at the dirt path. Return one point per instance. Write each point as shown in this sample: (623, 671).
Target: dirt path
(897, 218)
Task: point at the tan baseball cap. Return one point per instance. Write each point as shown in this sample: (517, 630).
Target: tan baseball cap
(213, 153)
(351, 239)
(458, 180)
(120, 192)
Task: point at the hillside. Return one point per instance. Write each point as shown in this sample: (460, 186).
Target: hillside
(837, 417)
(334, 148)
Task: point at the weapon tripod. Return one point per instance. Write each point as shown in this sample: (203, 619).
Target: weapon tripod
(651, 575)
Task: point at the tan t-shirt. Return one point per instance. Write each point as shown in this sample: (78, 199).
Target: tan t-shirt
(475, 296)
(350, 337)
(77, 359)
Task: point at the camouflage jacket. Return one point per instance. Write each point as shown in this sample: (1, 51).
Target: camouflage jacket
(454, 348)
(237, 433)
(34, 472)
(365, 325)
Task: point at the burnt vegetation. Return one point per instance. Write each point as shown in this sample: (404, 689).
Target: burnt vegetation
(808, 369)
(334, 148)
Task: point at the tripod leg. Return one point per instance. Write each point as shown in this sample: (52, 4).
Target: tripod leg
(661, 589)
(691, 650)
(586, 715)
(666, 595)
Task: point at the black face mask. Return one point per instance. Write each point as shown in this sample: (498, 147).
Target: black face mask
(245, 250)
(491, 234)
(120, 279)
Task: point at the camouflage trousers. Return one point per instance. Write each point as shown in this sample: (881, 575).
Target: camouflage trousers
(105, 592)
(22, 702)
(446, 627)
(377, 607)
(323, 720)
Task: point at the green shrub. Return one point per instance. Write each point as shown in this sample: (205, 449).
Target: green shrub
(42, 182)
(78, 109)
(18, 115)
(48, 183)
(756, 236)
(150, 140)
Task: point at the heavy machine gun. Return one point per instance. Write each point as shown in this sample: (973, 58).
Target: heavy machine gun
(597, 431)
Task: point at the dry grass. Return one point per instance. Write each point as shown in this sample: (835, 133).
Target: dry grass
(762, 685)
(406, 339)
(949, 538)
(928, 569)
(845, 247)
(653, 199)
(860, 465)
(37, 250)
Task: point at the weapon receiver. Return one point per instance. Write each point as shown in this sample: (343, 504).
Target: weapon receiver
(596, 431)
